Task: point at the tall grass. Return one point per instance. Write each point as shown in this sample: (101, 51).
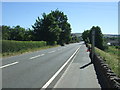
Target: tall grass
(16, 46)
(111, 57)
(113, 50)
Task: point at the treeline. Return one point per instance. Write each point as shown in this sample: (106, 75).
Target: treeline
(99, 41)
(17, 33)
(52, 28)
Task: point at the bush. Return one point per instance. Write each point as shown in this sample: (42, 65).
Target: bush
(117, 47)
(105, 47)
(52, 43)
(15, 46)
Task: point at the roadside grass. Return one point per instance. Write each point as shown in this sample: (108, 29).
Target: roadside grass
(12, 48)
(112, 50)
(15, 46)
(8, 54)
(111, 57)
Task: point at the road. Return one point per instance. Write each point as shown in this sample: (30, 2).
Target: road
(34, 70)
(80, 73)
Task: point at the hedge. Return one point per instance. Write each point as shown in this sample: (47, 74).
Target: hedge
(15, 46)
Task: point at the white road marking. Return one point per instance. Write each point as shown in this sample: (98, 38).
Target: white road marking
(51, 51)
(65, 72)
(42, 54)
(8, 65)
(37, 56)
(59, 49)
(54, 76)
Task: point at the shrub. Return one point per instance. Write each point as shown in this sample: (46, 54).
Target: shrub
(117, 47)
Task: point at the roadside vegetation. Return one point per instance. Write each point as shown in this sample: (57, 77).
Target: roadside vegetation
(10, 48)
(109, 53)
(51, 30)
(14, 46)
(87, 37)
(111, 57)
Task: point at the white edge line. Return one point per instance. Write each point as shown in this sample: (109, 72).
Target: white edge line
(53, 77)
(9, 65)
(65, 72)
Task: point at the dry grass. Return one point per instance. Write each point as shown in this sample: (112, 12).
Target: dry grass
(22, 51)
(112, 58)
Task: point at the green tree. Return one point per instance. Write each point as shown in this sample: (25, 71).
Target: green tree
(98, 37)
(17, 33)
(85, 36)
(29, 35)
(61, 19)
(6, 32)
(52, 27)
(46, 29)
(74, 38)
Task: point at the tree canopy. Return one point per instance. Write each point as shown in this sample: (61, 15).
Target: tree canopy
(87, 36)
(53, 27)
(16, 33)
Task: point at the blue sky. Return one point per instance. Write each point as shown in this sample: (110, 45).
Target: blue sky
(81, 15)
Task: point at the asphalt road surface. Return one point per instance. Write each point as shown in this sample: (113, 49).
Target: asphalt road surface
(34, 70)
(80, 73)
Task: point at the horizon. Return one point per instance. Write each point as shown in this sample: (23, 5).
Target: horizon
(102, 33)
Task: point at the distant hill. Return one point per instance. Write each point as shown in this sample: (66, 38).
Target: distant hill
(105, 35)
(77, 34)
(111, 35)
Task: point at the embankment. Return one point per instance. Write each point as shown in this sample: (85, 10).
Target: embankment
(106, 77)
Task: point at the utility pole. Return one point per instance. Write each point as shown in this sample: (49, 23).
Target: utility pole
(93, 43)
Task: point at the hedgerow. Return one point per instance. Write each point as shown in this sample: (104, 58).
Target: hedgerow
(15, 46)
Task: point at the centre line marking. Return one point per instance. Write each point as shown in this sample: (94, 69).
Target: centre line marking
(52, 52)
(59, 49)
(8, 65)
(55, 75)
(37, 56)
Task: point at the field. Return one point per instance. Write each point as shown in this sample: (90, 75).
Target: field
(111, 56)
(10, 48)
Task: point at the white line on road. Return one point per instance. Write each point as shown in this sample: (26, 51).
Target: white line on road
(8, 65)
(52, 52)
(59, 49)
(65, 72)
(37, 56)
(54, 76)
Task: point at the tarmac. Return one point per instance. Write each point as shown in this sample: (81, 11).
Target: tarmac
(80, 73)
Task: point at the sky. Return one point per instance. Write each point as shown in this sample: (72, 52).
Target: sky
(81, 15)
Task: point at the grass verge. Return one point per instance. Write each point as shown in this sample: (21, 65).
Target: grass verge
(8, 54)
(111, 58)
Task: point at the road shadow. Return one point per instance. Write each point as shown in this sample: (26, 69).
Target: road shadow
(85, 65)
